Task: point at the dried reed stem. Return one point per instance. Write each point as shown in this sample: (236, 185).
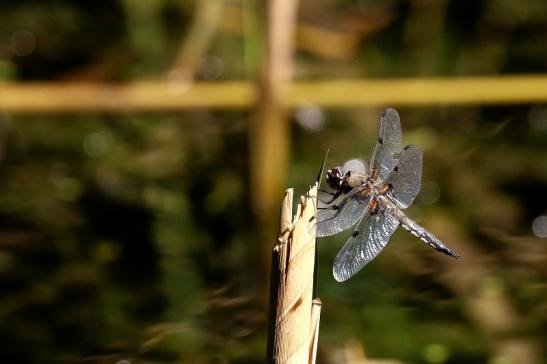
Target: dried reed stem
(294, 317)
(157, 96)
(198, 38)
(269, 132)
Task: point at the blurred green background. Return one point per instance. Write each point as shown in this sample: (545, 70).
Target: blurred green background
(126, 237)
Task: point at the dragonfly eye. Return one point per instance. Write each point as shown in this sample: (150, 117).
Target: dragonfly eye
(334, 178)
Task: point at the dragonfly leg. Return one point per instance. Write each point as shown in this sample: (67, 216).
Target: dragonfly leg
(325, 191)
(334, 197)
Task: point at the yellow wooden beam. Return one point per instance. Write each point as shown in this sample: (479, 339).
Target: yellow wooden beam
(154, 96)
(426, 91)
(135, 96)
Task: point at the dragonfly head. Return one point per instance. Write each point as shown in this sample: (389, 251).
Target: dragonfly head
(335, 178)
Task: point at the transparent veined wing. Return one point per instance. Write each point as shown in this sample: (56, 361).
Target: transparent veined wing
(406, 177)
(342, 214)
(355, 166)
(388, 147)
(366, 242)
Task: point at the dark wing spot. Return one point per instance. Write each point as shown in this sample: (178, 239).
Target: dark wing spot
(335, 207)
(355, 233)
(381, 141)
(406, 148)
(384, 113)
(390, 185)
(396, 169)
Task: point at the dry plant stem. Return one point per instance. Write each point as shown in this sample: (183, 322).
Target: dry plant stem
(157, 96)
(199, 37)
(269, 133)
(295, 317)
(315, 319)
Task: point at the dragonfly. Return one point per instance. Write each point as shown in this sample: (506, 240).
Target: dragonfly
(373, 200)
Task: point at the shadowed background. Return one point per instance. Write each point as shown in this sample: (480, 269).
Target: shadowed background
(144, 148)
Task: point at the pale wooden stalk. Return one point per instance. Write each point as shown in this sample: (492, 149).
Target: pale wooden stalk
(269, 133)
(200, 35)
(294, 325)
(315, 319)
(159, 96)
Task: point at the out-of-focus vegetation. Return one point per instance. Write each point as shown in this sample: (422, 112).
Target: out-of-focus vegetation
(128, 236)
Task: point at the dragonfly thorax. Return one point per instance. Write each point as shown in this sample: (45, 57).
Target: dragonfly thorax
(352, 179)
(344, 182)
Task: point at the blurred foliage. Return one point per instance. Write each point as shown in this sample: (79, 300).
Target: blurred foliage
(128, 237)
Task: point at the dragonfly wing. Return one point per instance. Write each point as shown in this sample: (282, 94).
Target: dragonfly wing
(406, 177)
(354, 166)
(343, 214)
(366, 242)
(388, 147)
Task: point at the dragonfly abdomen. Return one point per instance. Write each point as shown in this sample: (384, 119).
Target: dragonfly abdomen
(424, 235)
(414, 228)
